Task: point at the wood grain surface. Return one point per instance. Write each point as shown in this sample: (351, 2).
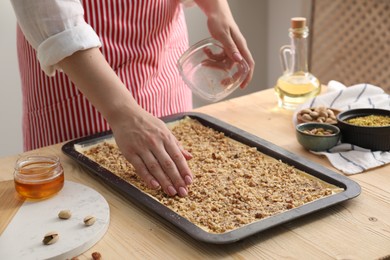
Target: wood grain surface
(356, 229)
(10, 203)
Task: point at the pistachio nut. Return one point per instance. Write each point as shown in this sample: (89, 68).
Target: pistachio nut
(317, 114)
(50, 238)
(89, 220)
(65, 214)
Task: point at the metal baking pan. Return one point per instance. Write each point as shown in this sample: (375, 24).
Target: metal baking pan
(351, 188)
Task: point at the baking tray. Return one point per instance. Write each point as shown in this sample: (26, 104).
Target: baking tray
(351, 188)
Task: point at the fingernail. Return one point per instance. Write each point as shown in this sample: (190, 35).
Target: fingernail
(171, 190)
(182, 192)
(188, 179)
(188, 155)
(154, 184)
(237, 56)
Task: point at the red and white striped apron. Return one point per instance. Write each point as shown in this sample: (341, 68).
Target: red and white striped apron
(142, 41)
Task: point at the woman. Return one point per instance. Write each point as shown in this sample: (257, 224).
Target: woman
(87, 66)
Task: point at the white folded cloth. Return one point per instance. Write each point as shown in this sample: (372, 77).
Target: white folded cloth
(351, 159)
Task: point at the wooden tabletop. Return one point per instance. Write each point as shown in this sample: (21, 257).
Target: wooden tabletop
(356, 229)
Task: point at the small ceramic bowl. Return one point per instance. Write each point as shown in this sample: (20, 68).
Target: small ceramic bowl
(317, 136)
(373, 137)
(209, 72)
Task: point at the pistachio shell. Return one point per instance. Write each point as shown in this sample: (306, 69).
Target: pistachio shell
(314, 114)
(307, 117)
(330, 120)
(330, 112)
(89, 220)
(323, 114)
(65, 214)
(50, 238)
(321, 119)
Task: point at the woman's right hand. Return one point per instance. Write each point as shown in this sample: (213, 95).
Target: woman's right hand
(153, 150)
(143, 139)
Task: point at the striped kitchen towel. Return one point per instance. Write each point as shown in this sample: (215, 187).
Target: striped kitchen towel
(351, 159)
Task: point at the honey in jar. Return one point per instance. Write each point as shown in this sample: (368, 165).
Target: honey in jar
(38, 177)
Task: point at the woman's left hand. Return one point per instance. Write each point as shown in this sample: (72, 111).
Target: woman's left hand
(224, 29)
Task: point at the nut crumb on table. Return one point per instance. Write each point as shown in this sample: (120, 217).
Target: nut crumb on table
(234, 184)
(96, 256)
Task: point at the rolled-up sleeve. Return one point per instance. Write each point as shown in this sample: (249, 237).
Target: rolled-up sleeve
(55, 29)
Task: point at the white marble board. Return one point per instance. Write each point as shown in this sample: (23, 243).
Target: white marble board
(22, 239)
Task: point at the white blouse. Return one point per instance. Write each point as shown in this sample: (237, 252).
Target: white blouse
(49, 24)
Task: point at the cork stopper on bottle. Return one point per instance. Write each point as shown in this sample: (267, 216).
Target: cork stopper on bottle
(298, 22)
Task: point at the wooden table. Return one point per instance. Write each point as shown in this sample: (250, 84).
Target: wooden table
(356, 229)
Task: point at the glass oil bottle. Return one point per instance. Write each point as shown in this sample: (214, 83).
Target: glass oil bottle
(297, 84)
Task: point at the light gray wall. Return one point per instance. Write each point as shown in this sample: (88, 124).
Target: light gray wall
(279, 15)
(10, 92)
(263, 22)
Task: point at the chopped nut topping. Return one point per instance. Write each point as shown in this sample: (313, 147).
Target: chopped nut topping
(370, 120)
(234, 184)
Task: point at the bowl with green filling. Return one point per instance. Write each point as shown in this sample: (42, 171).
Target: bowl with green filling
(366, 127)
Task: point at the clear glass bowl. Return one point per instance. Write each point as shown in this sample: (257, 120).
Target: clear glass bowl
(209, 72)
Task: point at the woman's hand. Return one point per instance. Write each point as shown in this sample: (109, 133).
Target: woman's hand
(144, 140)
(157, 156)
(223, 28)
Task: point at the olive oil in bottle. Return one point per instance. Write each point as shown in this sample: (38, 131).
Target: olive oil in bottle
(297, 84)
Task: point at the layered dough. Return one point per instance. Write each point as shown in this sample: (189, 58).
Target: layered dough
(234, 184)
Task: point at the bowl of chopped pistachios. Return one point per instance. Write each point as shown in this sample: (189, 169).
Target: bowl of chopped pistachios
(366, 127)
(317, 136)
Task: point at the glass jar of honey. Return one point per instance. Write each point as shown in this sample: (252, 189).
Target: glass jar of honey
(38, 177)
